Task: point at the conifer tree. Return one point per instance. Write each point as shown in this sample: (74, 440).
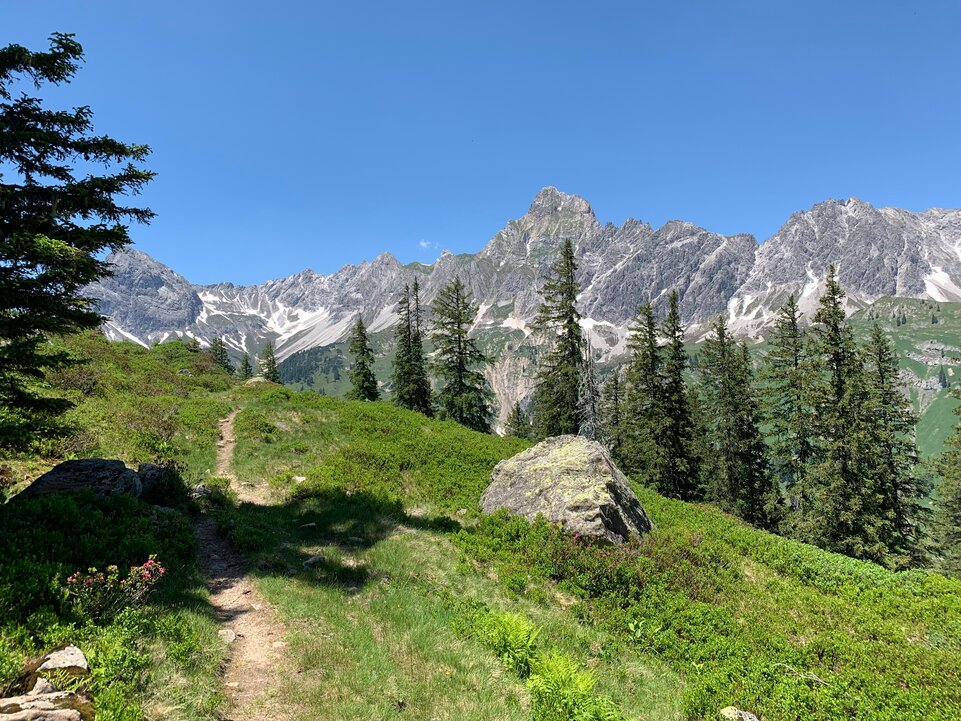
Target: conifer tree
(218, 350)
(193, 345)
(735, 469)
(465, 395)
(948, 508)
(786, 374)
(59, 217)
(642, 450)
(846, 512)
(518, 423)
(267, 364)
(611, 415)
(891, 425)
(680, 477)
(363, 382)
(411, 384)
(246, 371)
(557, 395)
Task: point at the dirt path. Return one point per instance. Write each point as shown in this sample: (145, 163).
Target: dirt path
(250, 625)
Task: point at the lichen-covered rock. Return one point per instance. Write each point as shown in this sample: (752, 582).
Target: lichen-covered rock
(103, 477)
(56, 706)
(731, 713)
(570, 481)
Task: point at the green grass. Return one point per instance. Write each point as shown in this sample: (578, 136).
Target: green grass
(137, 405)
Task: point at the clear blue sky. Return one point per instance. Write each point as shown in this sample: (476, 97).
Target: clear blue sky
(289, 135)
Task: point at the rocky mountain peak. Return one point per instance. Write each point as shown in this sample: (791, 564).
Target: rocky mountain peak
(550, 201)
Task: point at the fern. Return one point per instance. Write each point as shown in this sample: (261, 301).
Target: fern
(561, 692)
(512, 638)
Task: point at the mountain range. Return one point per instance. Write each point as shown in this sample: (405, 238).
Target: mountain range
(878, 252)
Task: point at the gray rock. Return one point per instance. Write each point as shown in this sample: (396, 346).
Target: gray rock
(228, 635)
(41, 686)
(200, 491)
(570, 481)
(103, 477)
(69, 658)
(731, 713)
(54, 706)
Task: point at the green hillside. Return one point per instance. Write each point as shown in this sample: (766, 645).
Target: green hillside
(400, 600)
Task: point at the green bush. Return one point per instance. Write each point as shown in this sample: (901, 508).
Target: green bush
(560, 691)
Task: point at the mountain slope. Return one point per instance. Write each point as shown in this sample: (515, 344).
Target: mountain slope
(878, 252)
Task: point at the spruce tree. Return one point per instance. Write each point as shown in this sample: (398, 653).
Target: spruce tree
(891, 425)
(642, 451)
(680, 476)
(735, 468)
(267, 364)
(948, 508)
(518, 423)
(363, 383)
(786, 375)
(846, 512)
(557, 395)
(411, 384)
(246, 371)
(55, 228)
(464, 395)
(218, 350)
(611, 415)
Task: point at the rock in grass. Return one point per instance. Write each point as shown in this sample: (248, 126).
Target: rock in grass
(570, 481)
(103, 477)
(733, 714)
(68, 658)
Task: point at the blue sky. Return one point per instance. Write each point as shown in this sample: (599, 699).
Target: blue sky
(289, 135)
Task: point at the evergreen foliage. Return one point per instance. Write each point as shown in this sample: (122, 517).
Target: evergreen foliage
(267, 364)
(736, 473)
(218, 350)
(890, 424)
(611, 414)
(846, 515)
(411, 384)
(54, 229)
(949, 503)
(786, 374)
(680, 477)
(362, 380)
(246, 371)
(642, 451)
(557, 395)
(518, 423)
(465, 395)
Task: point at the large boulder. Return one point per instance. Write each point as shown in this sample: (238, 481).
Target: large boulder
(570, 481)
(103, 477)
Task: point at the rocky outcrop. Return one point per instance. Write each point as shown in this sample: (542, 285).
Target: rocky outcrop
(43, 701)
(570, 481)
(732, 713)
(103, 477)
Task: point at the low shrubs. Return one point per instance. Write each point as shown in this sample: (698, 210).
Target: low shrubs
(750, 619)
(102, 595)
(560, 690)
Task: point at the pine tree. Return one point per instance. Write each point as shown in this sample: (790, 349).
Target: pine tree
(681, 477)
(55, 229)
(786, 375)
(891, 425)
(518, 423)
(465, 395)
(411, 384)
(218, 350)
(193, 344)
(363, 382)
(557, 395)
(735, 468)
(846, 512)
(943, 377)
(642, 451)
(611, 415)
(267, 364)
(246, 370)
(948, 508)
